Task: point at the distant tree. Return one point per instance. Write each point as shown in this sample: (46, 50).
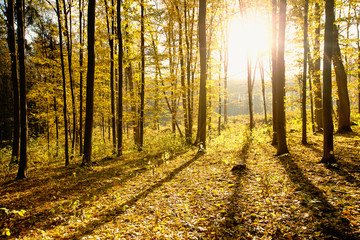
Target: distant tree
(201, 139)
(261, 68)
(89, 119)
(23, 163)
(15, 82)
(328, 149)
(280, 83)
(303, 95)
(341, 81)
(250, 83)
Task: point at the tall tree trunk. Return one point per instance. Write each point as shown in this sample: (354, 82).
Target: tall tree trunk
(280, 91)
(81, 57)
(274, 70)
(86, 161)
(341, 81)
(23, 163)
(56, 126)
(328, 150)
(189, 47)
(120, 83)
(317, 82)
(142, 84)
(202, 92)
(110, 28)
(303, 95)
(358, 65)
(15, 82)
(64, 85)
(182, 77)
(68, 43)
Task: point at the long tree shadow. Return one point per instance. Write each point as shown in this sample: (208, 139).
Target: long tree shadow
(233, 217)
(112, 213)
(343, 168)
(84, 187)
(331, 222)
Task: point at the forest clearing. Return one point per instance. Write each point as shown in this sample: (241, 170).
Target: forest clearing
(182, 194)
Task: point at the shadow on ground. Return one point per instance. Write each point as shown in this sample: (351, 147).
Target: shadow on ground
(43, 196)
(112, 213)
(330, 221)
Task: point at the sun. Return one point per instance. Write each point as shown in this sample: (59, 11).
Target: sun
(249, 36)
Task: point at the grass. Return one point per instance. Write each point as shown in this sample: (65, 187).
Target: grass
(169, 191)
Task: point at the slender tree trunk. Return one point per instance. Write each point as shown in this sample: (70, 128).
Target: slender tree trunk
(64, 85)
(274, 70)
(341, 80)
(142, 84)
(303, 95)
(261, 67)
(280, 91)
(317, 82)
(250, 91)
(23, 163)
(202, 94)
(120, 83)
(311, 74)
(110, 28)
(358, 48)
(15, 82)
(328, 150)
(56, 126)
(81, 10)
(68, 43)
(86, 161)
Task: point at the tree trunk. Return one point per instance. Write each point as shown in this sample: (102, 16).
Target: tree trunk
(110, 29)
(303, 95)
(81, 10)
(64, 85)
(280, 91)
(23, 163)
(120, 83)
(68, 43)
(86, 161)
(328, 150)
(341, 81)
(202, 94)
(15, 82)
(317, 82)
(261, 67)
(274, 70)
(250, 91)
(142, 84)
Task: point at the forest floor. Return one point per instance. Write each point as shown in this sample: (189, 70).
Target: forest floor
(187, 195)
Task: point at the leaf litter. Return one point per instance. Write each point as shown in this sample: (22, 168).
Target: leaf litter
(186, 195)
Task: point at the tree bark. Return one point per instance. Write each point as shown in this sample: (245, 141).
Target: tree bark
(81, 57)
(202, 92)
(23, 163)
(64, 85)
(280, 91)
(120, 83)
(341, 81)
(303, 95)
(317, 82)
(274, 70)
(15, 82)
(328, 148)
(86, 161)
(142, 84)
